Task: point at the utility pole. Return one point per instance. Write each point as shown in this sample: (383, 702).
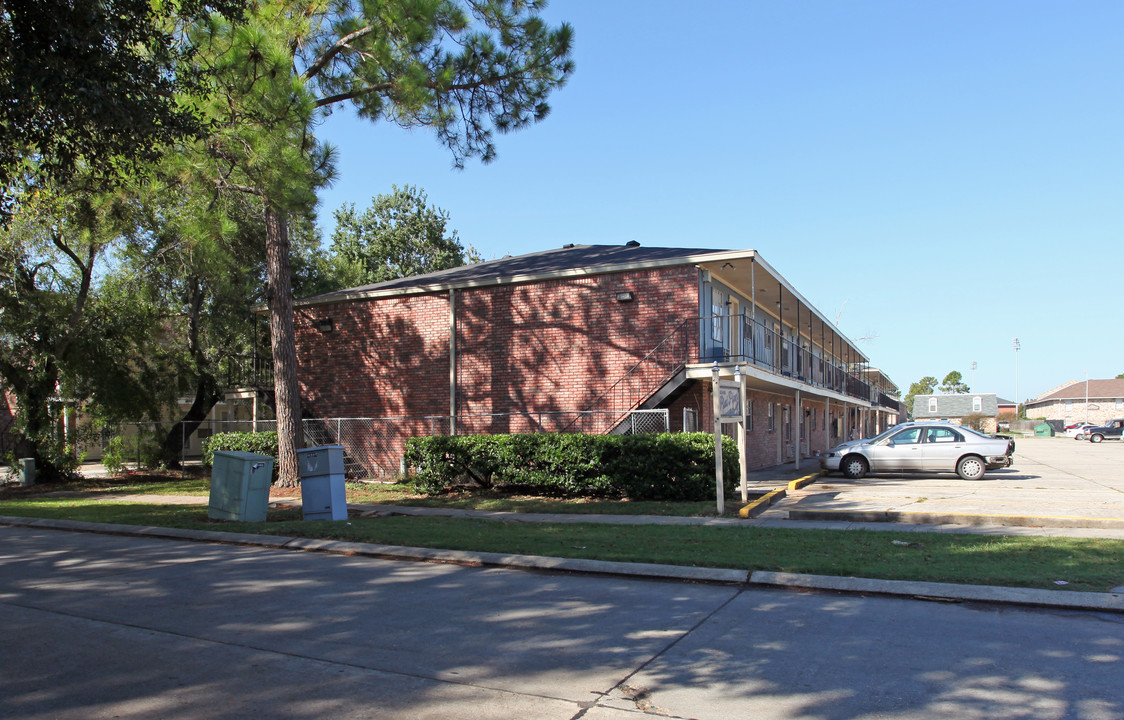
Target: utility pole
(1016, 346)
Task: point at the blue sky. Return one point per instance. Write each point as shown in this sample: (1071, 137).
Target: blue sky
(940, 176)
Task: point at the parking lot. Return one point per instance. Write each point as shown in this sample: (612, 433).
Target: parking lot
(1053, 483)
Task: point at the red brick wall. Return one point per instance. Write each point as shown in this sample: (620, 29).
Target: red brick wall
(544, 346)
(761, 443)
(558, 345)
(531, 348)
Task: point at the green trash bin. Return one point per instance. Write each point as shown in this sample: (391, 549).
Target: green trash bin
(1044, 430)
(240, 486)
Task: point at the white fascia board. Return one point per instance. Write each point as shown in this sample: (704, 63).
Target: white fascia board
(702, 371)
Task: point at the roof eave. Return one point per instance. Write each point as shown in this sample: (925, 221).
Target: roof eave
(431, 288)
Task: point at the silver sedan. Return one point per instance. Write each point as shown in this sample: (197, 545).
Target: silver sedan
(922, 447)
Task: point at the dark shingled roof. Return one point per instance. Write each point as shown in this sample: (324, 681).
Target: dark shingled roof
(591, 258)
(954, 405)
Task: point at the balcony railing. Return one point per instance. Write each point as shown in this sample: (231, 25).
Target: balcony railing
(728, 339)
(247, 371)
(742, 339)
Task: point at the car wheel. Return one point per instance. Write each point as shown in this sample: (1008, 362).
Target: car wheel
(854, 467)
(1079, 437)
(1096, 438)
(971, 467)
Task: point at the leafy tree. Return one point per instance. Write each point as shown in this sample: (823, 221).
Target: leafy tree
(202, 260)
(924, 386)
(398, 236)
(64, 332)
(1120, 376)
(465, 68)
(954, 383)
(90, 85)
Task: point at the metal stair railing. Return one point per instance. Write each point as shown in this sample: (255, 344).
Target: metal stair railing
(668, 357)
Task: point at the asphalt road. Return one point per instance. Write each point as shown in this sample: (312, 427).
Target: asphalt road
(102, 626)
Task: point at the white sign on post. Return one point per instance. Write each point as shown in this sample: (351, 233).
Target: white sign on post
(729, 407)
(730, 402)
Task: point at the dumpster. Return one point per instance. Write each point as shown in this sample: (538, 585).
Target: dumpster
(1044, 430)
(240, 486)
(323, 495)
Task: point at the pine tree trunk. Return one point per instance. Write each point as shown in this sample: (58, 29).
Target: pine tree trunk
(290, 433)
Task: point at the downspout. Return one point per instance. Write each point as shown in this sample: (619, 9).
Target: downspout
(452, 361)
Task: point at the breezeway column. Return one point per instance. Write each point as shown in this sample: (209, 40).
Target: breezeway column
(827, 423)
(799, 419)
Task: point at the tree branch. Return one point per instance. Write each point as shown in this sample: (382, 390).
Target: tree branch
(339, 46)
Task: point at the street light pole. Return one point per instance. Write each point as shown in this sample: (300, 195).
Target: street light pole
(1016, 346)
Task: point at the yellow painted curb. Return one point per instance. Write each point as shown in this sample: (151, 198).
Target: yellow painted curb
(761, 504)
(806, 480)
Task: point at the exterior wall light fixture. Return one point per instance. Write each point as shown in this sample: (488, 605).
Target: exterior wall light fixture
(325, 325)
(625, 296)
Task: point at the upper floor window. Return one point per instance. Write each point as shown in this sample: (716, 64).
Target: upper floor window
(932, 404)
(977, 404)
(717, 310)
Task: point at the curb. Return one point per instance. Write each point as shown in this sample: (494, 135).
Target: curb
(1111, 602)
(806, 480)
(766, 501)
(892, 516)
(762, 503)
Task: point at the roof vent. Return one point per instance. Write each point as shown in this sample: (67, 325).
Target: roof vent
(632, 243)
(567, 246)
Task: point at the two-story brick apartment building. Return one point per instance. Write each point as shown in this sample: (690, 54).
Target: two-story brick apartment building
(577, 338)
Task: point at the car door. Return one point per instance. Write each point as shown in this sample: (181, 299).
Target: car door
(942, 448)
(900, 451)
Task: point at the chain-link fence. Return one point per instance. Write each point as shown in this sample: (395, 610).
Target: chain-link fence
(373, 447)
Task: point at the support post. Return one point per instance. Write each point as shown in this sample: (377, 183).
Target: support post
(799, 410)
(743, 461)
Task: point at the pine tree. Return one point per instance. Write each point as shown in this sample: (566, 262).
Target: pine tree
(464, 68)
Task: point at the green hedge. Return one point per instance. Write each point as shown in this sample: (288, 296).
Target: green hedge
(263, 443)
(669, 466)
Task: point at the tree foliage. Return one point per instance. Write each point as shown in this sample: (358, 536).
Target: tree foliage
(954, 383)
(68, 324)
(924, 386)
(465, 69)
(399, 235)
(90, 86)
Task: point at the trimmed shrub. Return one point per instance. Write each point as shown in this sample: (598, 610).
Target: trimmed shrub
(263, 443)
(669, 466)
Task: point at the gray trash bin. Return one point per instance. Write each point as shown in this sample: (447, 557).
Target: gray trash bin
(240, 486)
(27, 471)
(323, 495)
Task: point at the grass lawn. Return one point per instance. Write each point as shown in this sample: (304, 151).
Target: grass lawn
(1039, 562)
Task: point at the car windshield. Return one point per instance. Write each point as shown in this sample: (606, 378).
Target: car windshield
(976, 432)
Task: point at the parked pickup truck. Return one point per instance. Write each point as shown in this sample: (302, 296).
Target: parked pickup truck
(1109, 431)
